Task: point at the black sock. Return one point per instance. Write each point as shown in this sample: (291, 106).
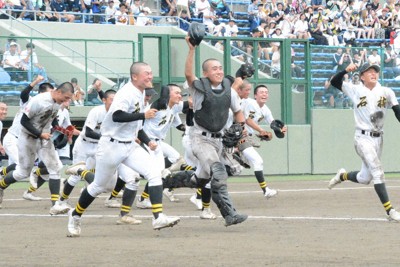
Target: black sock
(206, 197)
(87, 176)
(83, 203)
(118, 187)
(155, 193)
(40, 182)
(261, 181)
(66, 191)
(54, 186)
(6, 181)
(8, 169)
(127, 200)
(145, 192)
(350, 176)
(380, 190)
(43, 171)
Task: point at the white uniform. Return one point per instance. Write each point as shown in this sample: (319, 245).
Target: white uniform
(64, 121)
(41, 110)
(117, 144)
(157, 128)
(369, 113)
(10, 141)
(253, 111)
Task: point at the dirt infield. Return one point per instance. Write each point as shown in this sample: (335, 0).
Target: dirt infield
(305, 225)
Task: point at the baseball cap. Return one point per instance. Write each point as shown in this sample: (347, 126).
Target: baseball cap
(367, 66)
(13, 43)
(150, 91)
(147, 9)
(255, 30)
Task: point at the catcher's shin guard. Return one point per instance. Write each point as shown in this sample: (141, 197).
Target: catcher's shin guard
(219, 191)
(181, 179)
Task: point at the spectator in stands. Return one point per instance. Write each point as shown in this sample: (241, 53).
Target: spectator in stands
(367, 23)
(185, 21)
(17, 6)
(396, 16)
(389, 63)
(276, 62)
(316, 4)
(110, 12)
(209, 16)
(201, 6)
(301, 28)
(12, 39)
(73, 5)
(168, 7)
(12, 64)
(93, 92)
(59, 9)
(386, 22)
(336, 58)
(47, 13)
(344, 61)
(336, 30)
(327, 32)
(28, 11)
(374, 58)
(256, 33)
(96, 11)
(86, 7)
(330, 94)
(143, 19)
(359, 58)
(316, 33)
(309, 14)
(79, 95)
(182, 5)
(231, 28)
(355, 21)
(30, 63)
(121, 15)
(376, 5)
(349, 36)
(222, 7)
(279, 14)
(136, 7)
(252, 11)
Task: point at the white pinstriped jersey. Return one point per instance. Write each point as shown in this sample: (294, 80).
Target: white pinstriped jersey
(253, 111)
(128, 99)
(16, 124)
(370, 105)
(41, 110)
(158, 127)
(94, 120)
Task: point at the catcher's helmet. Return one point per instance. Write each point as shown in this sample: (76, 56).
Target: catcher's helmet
(196, 32)
(60, 140)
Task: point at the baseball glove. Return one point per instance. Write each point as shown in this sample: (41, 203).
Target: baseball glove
(277, 126)
(265, 136)
(232, 135)
(245, 71)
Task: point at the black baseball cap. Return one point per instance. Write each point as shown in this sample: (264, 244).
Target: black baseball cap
(367, 66)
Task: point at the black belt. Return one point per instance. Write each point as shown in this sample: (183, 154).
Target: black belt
(373, 134)
(89, 141)
(213, 135)
(121, 142)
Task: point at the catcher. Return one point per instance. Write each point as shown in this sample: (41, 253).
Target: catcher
(255, 111)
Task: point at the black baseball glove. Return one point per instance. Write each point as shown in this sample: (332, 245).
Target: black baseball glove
(277, 126)
(245, 71)
(232, 135)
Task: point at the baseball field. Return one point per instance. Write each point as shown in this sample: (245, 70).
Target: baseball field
(305, 225)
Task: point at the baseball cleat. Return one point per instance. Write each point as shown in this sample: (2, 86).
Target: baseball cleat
(145, 204)
(336, 179)
(73, 169)
(112, 203)
(29, 196)
(128, 219)
(60, 207)
(270, 192)
(170, 195)
(164, 221)
(207, 214)
(74, 225)
(394, 215)
(197, 202)
(236, 219)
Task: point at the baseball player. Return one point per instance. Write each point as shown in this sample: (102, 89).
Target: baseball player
(371, 101)
(3, 115)
(121, 126)
(35, 139)
(212, 99)
(10, 140)
(256, 111)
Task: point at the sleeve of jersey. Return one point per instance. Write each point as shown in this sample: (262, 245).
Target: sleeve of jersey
(122, 116)
(24, 96)
(268, 116)
(235, 101)
(392, 99)
(27, 124)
